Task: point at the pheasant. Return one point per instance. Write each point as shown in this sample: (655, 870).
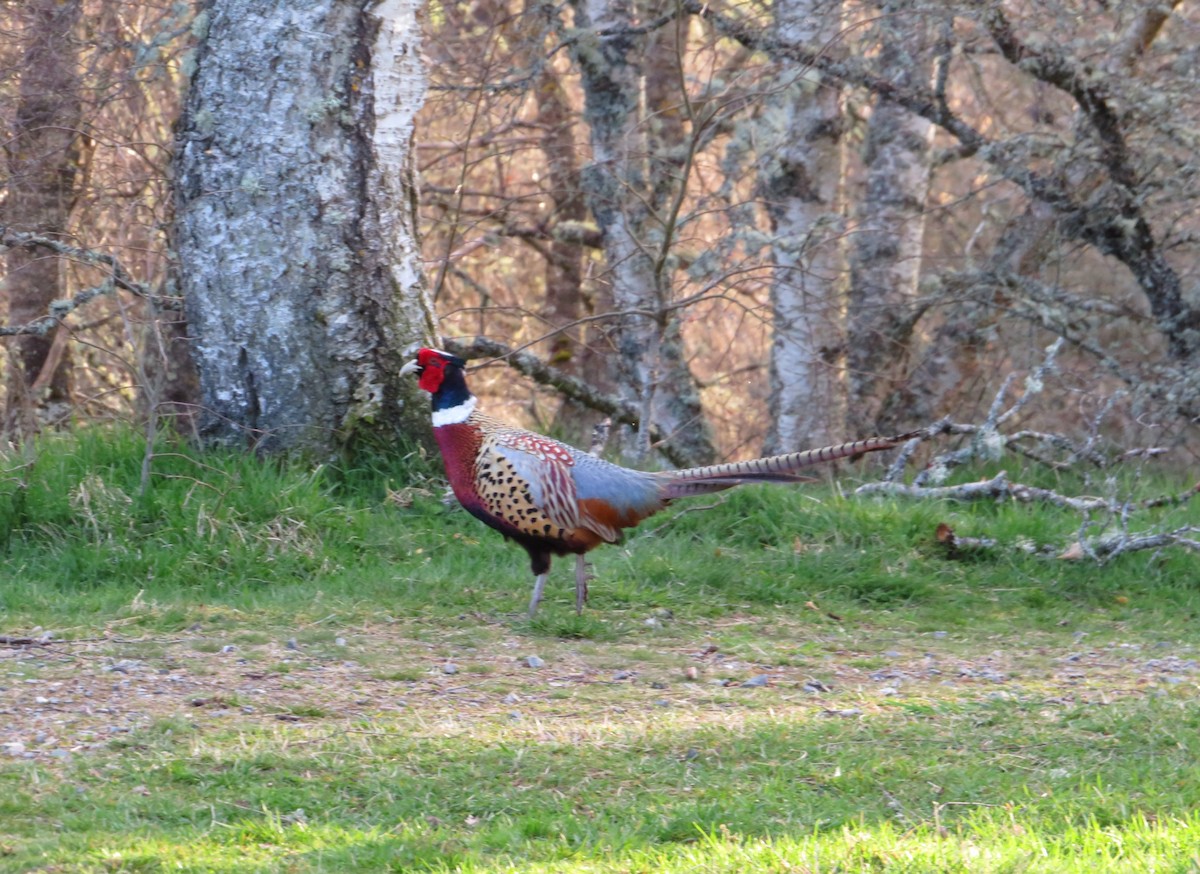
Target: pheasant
(554, 499)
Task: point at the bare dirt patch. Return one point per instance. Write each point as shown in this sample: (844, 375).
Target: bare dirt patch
(59, 699)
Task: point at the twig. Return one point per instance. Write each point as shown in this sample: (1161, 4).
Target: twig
(118, 278)
(690, 508)
(1105, 549)
(6, 640)
(1035, 381)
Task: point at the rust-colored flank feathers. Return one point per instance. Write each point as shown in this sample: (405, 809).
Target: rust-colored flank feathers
(554, 499)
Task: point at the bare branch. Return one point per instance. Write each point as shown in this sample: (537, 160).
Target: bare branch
(1120, 230)
(570, 387)
(118, 277)
(10, 239)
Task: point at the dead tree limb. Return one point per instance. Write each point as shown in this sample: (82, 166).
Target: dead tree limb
(568, 386)
(1000, 488)
(986, 442)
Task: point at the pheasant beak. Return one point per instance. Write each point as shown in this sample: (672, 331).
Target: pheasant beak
(413, 366)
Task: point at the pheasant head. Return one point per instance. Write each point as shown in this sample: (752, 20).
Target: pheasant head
(441, 374)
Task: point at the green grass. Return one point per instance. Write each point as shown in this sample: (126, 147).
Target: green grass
(252, 676)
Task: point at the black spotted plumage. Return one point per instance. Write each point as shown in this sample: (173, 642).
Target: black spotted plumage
(554, 499)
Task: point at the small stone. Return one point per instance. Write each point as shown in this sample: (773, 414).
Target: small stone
(60, 754)
(622, 675)
(939, 634)
(760, 680)
(533, 662)
(691, 673)
(652, 622)
(815, 686)
(339, 641)
(450, 668)
(893, 653)
(292, 643)
(124, 666)
(229, 647)
(888, 690)
(14, 748)
(511, 698)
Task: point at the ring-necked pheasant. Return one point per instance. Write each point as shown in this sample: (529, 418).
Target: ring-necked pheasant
(554, 499)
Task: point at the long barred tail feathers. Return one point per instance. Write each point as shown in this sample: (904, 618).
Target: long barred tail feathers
(776, 469)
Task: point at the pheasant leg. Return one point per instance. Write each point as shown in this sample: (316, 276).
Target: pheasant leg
(581, 581)
(538, 585)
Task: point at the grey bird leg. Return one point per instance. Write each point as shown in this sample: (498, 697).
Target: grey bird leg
(581, 581)
(538, 585)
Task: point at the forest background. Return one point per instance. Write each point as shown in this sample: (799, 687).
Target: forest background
(753, 226)
(747, 226)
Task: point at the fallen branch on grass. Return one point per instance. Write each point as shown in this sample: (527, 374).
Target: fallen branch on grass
(1000, 488)
(987, 442)
(7, 640)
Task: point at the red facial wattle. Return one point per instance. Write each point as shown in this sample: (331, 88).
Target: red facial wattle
(432, 372)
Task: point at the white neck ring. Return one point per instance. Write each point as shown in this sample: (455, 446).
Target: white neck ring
(455, 415)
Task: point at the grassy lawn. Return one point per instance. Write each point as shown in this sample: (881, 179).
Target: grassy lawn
(266, 668)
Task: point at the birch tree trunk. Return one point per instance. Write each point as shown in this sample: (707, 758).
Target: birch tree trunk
(885, 258)
(619, 188)
(42, 158)
(295, 228)
(801, 184)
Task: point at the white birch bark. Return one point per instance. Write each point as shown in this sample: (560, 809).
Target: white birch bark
(295, 222)
(801, 184)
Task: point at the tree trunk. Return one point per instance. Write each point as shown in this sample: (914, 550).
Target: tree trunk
(885, 258)
(570, 349)
(42, 157)
(801, 184)
(295, 227)
(564, 260)
(619, 188)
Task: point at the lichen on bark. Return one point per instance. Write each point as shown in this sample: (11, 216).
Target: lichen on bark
(295, 229)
